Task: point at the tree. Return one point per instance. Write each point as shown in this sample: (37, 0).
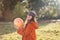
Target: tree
(8, 6)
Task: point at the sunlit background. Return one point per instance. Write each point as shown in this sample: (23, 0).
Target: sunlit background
(48, 17)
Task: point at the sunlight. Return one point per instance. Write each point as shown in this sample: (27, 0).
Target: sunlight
(58, 1)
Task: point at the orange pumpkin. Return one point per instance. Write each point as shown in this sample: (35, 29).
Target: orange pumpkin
(18, 23)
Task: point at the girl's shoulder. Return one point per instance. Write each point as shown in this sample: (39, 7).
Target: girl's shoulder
(34, 24)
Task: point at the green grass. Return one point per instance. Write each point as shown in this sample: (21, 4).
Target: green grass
(49, 31)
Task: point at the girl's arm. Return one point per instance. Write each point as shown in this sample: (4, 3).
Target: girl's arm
(20, 31)
(35, 25)
(26, 31)
(30, 27)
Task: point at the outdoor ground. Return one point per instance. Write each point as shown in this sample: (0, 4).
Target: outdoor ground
(46, 31)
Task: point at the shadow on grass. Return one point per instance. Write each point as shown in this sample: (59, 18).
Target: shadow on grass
(6, 28)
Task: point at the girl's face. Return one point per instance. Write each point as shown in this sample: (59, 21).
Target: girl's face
(29, 18)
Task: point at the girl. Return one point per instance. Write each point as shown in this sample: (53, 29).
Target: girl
(28, 33)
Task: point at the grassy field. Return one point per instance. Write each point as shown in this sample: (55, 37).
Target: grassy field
(50, 31)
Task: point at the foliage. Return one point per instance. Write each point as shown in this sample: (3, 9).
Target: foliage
(19, 11)
(36, 4)
(46, 9)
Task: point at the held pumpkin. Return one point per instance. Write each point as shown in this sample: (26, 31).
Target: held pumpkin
(18, 23)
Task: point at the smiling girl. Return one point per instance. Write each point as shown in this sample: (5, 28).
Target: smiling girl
(29, 32)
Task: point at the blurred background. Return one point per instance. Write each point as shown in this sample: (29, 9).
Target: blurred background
(48, 17)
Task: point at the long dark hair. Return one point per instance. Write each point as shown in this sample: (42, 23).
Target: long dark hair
(33, 14)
